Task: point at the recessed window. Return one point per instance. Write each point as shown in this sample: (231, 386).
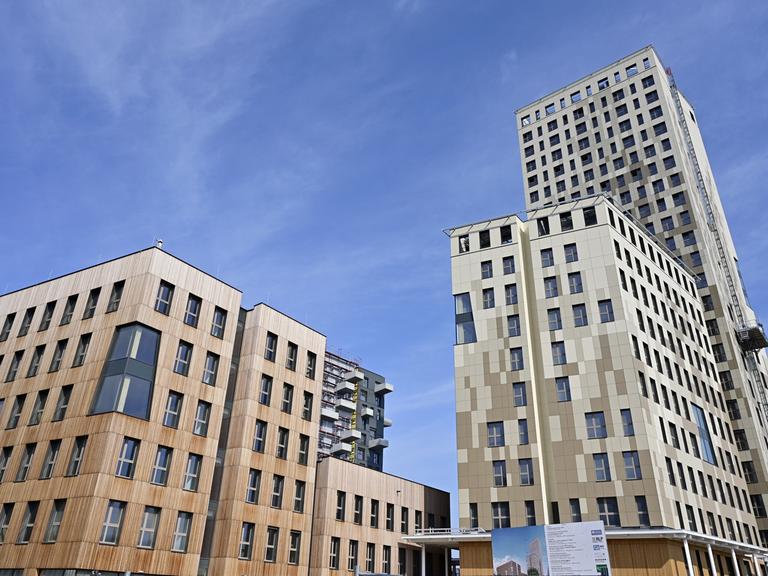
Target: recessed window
(58, 354)
(192, 311)
(606, 311)
(499, 473)
(148, 529)
(28, 523)
(13, 368)
(211, 369)
(495, 434)
(547, 258)
(219, 322)
(260, 436)
(62, 403)
(254, 486)
(82, 350)
(303, 449)
(595, 422)
(270, 548)
(26, 322)
(311, 365)
(69, 310)
(563, 389)
(26, 462)
(571, 253)
(278, 482)
(245, 550)
(91, 303)
(306, 409)
(580, 315)
(270, 350)
(164, 297)
(113, 522)
(202, 418)
(632, 465)
(489, 300)
(282, 443)
(54, 521)
(126, 461)
(513, 325)
(181, 532)
(553, 319)
(38, 408)
(486, 269)
(574, 283)
(161, 466)
(7, 326)
(18, 407)
(265, 391)
(286, 404)
(558, 353)
(519, 395)
(526, 471)
(37, 357)
(485, 238)
(76, 456)
(602, 467)
(510, 295)
(192, 472)
(115, 296)
(292, 356)
(183, 358)
(516, 359)
(45, 322)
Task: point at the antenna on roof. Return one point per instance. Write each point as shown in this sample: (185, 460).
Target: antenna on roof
(159, 243)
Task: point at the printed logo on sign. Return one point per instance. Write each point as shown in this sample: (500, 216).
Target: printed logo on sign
(596, 532)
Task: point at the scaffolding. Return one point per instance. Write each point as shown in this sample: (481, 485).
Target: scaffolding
(749, 335)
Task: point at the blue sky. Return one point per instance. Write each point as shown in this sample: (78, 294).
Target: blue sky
(310, 153)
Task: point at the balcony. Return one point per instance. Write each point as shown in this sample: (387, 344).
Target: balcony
(383, 388)
(353, 376)
(387, 422)
(350, 434)
(367, 412)
(341, 448)
(345, 386)
(345, 404)
(378, 443)
(330, 413)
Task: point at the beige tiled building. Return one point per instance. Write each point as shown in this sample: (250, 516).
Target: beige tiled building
(607, 362)
(149, 424)
(361, 516)
(586, 386)
(627, 131)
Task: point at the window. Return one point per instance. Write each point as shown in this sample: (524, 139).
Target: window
(164, 297)
(374, 513)
(278, 482)
(526, 472)
(13, 369)
(192, 311)
(76, 456)
(516, 359)
(463, 244)
(161, 466)
(58, 354)
(632, 465)
(28, 523)
(499, 472)
(82, 350)
(5, 519)
(386, 563)
(26, 322)
(50, 459)
(608, 510)
(286, 404)
(465, 325)
(34, 365)
(707, 450)
(192, 472)
(333, 561)
(115, 296)
(113, 521)
(508, 264)
(294, 547)
(306, 409)
(126, 461)
(282, 443)
(547, 258)
(91, 303)
(202, 417)
(543, 226)
(590, 216)
(303, 449)
(219, 323)
(181, 532)
(299, 491)
(260, 436)
(311, 365)
(291, 356)
(253, 487)
(358, 512)
(183, 358)
(506, 234)
(45, 322)
(7, 326)
(495, 434)
(485, 238)
(210, 369)
(595, 425)
(580, 315)
(550, 287)
(245, 550)
(54, 521)
(553, 319)
(643, 517)
(26, 462)
(148, 530)
(62, 403)
(513, 325)
(389, 522)
(488, 298)
(370, 556)
(38, 408)
(126, 385)
(626, 420)
(606, 311)
(575, 285)
(69, 310)
(486, 269)
(18, 406)
(404, 520)
(558, 353)
(172, 409)
(522, 431)
(510, 294)
(571, 253)
(500, 514)
(270, 549)
(563, 389)
(270, 350)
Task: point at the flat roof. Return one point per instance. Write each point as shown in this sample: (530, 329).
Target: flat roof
(374, 471)
(113, 260)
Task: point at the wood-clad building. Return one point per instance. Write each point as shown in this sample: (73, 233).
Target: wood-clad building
(149, 424)
(361, 516)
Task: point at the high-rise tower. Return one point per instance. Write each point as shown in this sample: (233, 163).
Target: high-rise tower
(627, 131)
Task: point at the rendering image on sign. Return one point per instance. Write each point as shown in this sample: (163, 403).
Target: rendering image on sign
(575, 549)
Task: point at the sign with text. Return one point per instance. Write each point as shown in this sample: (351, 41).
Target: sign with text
(575, 549)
